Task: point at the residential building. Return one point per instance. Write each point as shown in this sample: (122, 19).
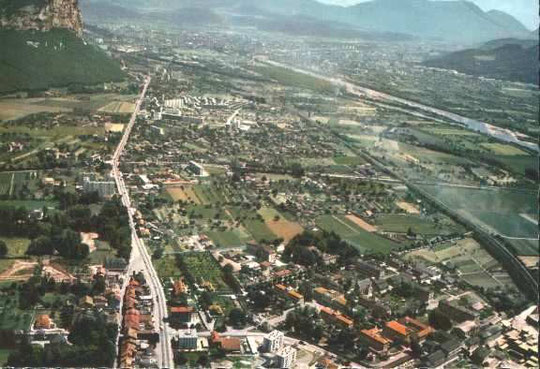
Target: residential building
(105, 189)
(286, 357)
(187, 339)
(374, 339)
(273, 341)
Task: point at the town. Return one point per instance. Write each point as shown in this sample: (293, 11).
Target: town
(231, 206)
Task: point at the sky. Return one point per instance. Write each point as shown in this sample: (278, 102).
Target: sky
(526, 11)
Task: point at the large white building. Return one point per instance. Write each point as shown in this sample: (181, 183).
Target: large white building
(273, 341)
(187, 339)
(286, 357)
(103, 188)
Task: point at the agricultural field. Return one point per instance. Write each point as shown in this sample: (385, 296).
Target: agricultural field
(167, 267)
(4, 355)
(118, 107)
(202, 194)
(364, 241)
(184, 193)
(400, 223)
(14, 109)
(226, 238)
(11, 317)
(16, 246)
(349, 160)
(503, 149)
(472, 263)
(498, 210)
(203, 267)
(11, 183)
(279, 225)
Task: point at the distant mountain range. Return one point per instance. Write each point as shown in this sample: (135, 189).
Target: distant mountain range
(507, 59)
(460, 21)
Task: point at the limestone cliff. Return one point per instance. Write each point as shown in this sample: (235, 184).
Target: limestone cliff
(41, 15)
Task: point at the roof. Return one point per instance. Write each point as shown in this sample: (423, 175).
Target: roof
(375, 334)
(398, 328)
(230, 344)
(321, 290)
(43, 321)
(343, 319)
(326, 310)
(341, 300)
(451, 345)
(436, 358)
(182, 309)
(296, 295)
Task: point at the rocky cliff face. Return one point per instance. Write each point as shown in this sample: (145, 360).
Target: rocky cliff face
(41, 15)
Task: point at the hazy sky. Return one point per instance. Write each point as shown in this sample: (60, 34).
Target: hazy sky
(526, 11)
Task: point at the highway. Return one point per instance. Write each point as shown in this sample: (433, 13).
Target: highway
(140, 260)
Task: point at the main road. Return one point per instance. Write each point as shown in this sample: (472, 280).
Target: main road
(140, 260)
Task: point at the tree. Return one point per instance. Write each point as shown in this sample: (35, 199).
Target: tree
(439, 320)
(40, 246)
(237, 317)
(3, 249)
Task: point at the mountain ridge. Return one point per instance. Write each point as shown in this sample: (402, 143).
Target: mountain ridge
(460, 21)
(41, 15)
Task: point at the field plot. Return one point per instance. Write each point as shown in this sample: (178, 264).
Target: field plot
(225, 238)
(474, 264)
(408, 207)
(279, 225)
(29, 204)
(364, 241)
(167, 267)
(202, 267)
(361, 223)
(184, 193)
(11, 317)
(15, 109)
(118, 107)
(426, 155)
(449, 131)
(349, 160)
(16, 246)
(502, 149)
(497, 209)
(114, 127)
(400, 223)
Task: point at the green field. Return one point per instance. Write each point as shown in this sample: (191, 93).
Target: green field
(16, 246)
(259, 230)
(364, 241)
(11, 317)
(203, 267)
(498, 210)
(502, 149)
(166, 267)
(401, 223)
(225, 238)
(349, 160)
(29, 204)
(295, 79)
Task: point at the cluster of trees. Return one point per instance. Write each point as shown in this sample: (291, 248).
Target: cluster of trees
(91, 344)
(304, 322)
(59, 230)
(67, 244)
(299, 248)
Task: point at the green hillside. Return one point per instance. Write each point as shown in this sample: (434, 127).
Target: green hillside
(34, 60)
